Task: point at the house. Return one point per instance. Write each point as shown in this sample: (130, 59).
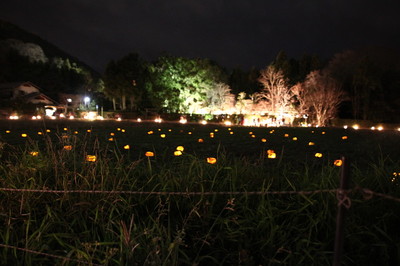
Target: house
(25, 93)
(25, 98)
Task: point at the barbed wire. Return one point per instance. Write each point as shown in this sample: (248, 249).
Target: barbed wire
(367, 193)
(172, 193)
(48, 255)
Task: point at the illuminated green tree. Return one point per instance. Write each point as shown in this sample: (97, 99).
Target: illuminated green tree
(180, 84)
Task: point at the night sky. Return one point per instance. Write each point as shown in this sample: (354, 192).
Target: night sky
(234, 33)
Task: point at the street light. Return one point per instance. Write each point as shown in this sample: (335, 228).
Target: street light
(86, 100)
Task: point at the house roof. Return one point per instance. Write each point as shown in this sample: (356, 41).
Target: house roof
(13, 85)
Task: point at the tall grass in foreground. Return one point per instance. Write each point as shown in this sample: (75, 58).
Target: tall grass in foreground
(122, 229)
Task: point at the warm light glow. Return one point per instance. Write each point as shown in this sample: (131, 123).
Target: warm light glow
(271, 154)
(149, 154)
(204, 122)
(180, 148)
(200, 140)
(263, 140)
(231, 132)
(8, 131)
(311, 143)
(344, 137)
(91, 158)
(34, 153)
(183, 120)
(372, 128)
(67, 147)
(13, 117)
(318, 155)
(123, 130)
(356, 126)
(211, 160)
(286, 135)
(211, 135)
(111, 139)
(338, 162)
(345, 126)
(24, 135)
(90, 115)
(150, 132)
(88, 131)
(228, 123)
(127, 147)
(71, 117)
(119, 119)
(158, 120)
(162, 136)
(139, 120)
(294, 138)
(380, 128)
(177, 153)
(48, 130)
(112, 134)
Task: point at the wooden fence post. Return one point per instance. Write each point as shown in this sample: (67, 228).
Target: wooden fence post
(343, 205)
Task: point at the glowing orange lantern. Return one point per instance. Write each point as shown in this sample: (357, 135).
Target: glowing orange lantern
(200, 140)
(263, 140)
(24, 135)
(150, 132)
(231, 132)
(67, 147)
(40, 133)
(88, 131)
(286, 135)
(271, 154)
(8, 131)
(34, 153)
(127, 147)
(318, 155)
(91, 158)
(76, 132)
(112, 134)
(111, 139)
(344, 137)
(311, 143)
(177, 153)
(338, 162)
(180, 148)
(294, 138)
(48, 130)
(149, 154)
(211, 160)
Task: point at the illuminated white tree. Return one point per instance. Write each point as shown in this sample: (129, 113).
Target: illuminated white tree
(319, 96)
(275, 90)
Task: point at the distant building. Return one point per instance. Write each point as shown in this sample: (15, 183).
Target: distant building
(24, 93)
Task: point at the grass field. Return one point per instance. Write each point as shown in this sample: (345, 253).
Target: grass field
(201, 229)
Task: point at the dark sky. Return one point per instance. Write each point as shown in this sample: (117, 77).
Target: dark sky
(241, 33)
